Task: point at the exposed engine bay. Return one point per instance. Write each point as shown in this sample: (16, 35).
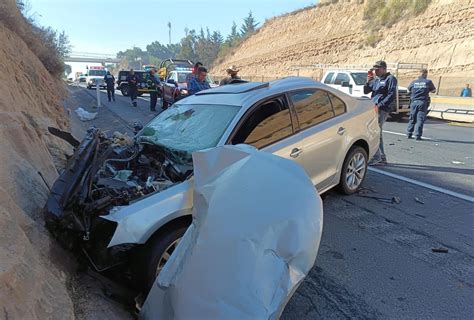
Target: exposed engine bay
(104, 173)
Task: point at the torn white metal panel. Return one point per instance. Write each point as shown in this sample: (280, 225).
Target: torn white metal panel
(138, 221)
(257, 224)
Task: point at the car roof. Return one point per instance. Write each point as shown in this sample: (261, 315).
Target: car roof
(247, 93)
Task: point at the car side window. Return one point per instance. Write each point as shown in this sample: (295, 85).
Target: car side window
(337, 104)
(329, 78)
(312, 107)
(341, 77)
(267, 124)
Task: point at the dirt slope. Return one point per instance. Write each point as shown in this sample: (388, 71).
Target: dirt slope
(442, 36)
(32, 281)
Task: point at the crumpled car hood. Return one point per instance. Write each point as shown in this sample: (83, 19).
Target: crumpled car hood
(257, 224)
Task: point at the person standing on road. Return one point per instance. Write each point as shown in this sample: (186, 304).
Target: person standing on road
(193, 74)
(384, 91)
(466, 91)
(420, 100)
(153, 85)
(232, 71)
(110, 81)
(199, 82)
(133, 80)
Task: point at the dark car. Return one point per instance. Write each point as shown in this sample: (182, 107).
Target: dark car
(143, 85)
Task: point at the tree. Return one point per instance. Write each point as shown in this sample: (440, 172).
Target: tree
(249, 26)
(134, 57)
(234, 35)
(63, 45)
(188, 46)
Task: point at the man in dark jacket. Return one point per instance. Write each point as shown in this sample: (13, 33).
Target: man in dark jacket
(419, 102)
(232, 71)
(110, 81)
(384, 91)
(133, 80)
(153, 86)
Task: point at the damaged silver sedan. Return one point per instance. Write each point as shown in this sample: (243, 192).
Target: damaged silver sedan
(129, 203)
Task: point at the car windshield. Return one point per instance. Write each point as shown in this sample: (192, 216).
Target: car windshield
(186, 128)
(95, 73)
(182, 76)
(360, 78)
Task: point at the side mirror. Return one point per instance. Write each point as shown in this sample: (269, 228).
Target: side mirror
(345, 84)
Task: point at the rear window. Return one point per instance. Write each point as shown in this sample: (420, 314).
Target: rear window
(360, 78)
(337, 104)
(328, 78)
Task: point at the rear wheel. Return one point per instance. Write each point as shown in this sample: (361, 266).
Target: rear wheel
(164, 103)
(354, 170)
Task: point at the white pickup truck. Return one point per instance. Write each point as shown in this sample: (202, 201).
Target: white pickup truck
(352, 82)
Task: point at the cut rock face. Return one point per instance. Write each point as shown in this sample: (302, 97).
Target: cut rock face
(257, 224)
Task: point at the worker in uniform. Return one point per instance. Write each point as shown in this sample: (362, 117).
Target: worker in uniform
(419, 102)
(110, 81)
(133, 80)
(232, 73)
(384, 92)
(153, 86)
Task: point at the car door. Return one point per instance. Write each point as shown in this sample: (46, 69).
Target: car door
(168, 88)
(269, 126)
(320, 135)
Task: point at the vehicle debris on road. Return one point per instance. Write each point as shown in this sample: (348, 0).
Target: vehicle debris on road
(440, 250)
(396, 200)
(419, 201)
(250, 244)
(84, 115)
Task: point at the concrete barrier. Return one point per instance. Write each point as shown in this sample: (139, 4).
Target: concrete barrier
(452, 108)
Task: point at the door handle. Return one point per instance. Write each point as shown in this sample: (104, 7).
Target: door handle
(341, 131)
(295, 152)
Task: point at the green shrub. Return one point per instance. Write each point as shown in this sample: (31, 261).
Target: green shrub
(386, 13)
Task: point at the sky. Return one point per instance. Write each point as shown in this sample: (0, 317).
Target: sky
(109, 26)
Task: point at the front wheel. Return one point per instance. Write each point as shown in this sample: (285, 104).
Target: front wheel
(156, 253)
(125, 91)
(354, 170)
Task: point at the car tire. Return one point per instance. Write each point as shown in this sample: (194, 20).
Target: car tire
(89, 87)
(354, 170)
(155, 253)
(125, 91)
(165, 104)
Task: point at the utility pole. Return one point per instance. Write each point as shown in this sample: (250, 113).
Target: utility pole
(169, 27)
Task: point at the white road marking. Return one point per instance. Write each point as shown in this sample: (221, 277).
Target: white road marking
(403, 134)
(423, 184)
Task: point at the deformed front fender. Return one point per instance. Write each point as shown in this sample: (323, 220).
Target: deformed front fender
(137, 222)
